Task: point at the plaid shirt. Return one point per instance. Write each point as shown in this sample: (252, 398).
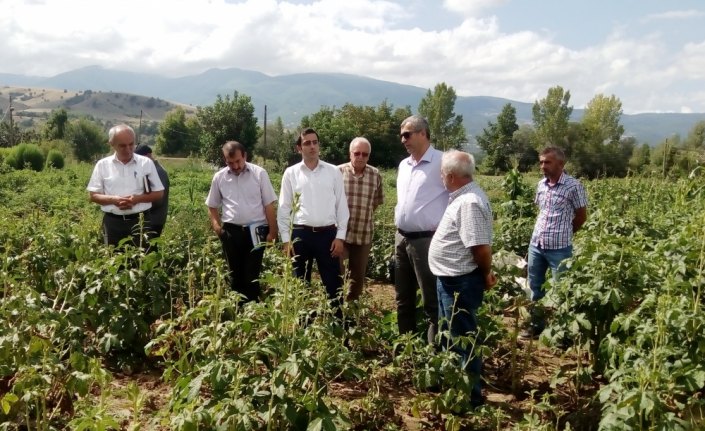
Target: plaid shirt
(467, 222)
(557, 205)
(364, 193)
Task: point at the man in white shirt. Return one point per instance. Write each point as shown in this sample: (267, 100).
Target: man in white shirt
(245, 194)
(125, 185)
(314, 227)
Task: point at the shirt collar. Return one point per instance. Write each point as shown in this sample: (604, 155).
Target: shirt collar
(561, 179)
(247, 168)
(427, 157)
(116, 160)
(460, 191)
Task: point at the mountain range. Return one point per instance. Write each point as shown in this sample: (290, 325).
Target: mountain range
(293, 96)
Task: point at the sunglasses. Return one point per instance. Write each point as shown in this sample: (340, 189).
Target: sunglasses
(360, 153)
(406, 135)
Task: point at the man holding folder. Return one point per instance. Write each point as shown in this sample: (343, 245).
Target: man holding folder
(246, 196)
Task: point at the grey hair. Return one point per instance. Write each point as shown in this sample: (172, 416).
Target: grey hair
(117, 129)
(418, 123)
(458, 163)
(360, 139)
(556, 151)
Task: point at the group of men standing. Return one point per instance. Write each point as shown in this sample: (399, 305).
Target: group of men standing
(325, 214)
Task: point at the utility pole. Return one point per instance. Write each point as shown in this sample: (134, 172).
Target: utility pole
(139, 130)
(12, 128)
(265, 126)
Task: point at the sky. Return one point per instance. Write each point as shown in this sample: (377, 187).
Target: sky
(648, 53)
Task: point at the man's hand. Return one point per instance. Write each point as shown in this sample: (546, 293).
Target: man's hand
(125, 202)
(337, 247)
(286, 247)
(490, 280)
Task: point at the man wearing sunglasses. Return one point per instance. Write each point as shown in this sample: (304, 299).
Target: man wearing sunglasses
(363, 189)
(421, 202)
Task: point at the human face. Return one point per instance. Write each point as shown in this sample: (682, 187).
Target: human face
(124, 145)
(359, 155)
(551, 166)
(309, 147)
(413, 141)
(236, 162)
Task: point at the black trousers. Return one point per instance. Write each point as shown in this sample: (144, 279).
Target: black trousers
(310, 245)
(244, 261)
(134, 226)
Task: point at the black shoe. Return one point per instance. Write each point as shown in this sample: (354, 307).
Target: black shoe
(477, 402)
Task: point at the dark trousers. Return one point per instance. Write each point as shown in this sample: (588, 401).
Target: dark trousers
(411, 271)
(244, 261)
(310, 245)
(136, 227)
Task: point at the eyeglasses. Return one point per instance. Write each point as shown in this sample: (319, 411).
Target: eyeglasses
(407, 135)
(314, 142)
(360, 153)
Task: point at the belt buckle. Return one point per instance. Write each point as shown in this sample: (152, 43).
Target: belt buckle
(315, 229)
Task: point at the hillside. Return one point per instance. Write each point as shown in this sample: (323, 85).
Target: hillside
(35, 103)
(288, 96)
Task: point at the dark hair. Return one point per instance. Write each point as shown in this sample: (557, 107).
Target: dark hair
(418, 123)
(231, 147)
(306, 131)
(143, 150)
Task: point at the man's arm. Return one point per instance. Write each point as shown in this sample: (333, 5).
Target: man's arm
(270, 214)
(579, 218)
(215, 220)
(286, 197)
(482, 254)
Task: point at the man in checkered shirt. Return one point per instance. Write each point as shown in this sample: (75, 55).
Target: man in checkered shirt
(562, 203)
(460, 256)
(363, 189)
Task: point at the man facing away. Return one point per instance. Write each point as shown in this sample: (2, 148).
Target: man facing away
(125, 185)
(421, 201)
(460, 256)
(317, 227)
(245, 194)
(363, 189)
(160, 208)
(562, 203)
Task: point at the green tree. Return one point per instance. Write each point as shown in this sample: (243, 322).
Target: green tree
(497, 140)
(87, 138)
(551, 116)
(447, 130)
(55, 127)
(380, 125)
(527, 156)
(599, 149)
(175, 138)
(227, 119)
(279, 146)
(640, 159)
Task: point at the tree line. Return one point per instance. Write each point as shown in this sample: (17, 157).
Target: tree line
(596, 145)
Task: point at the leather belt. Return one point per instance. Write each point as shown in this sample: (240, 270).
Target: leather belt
(235, 226)
(316, 228)
(133, 216)
(416, 235)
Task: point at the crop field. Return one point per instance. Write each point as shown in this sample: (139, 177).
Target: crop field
(96, 340)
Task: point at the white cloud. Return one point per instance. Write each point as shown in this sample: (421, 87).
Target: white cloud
(674, 15)
(365, 37)
(470, 8)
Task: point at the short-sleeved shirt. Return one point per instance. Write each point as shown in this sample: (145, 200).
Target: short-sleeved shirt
(557, 205)
(364, 193)
(112, 177)
(421, 196)
(242, 197)
(467, 222)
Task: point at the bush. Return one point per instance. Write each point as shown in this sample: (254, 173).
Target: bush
(26, 154)
(55, 159)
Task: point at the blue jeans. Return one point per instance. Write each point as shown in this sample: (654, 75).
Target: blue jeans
(459, 298)
(540, 259)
